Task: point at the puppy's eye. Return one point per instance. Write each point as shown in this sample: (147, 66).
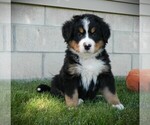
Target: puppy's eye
(93, 34)
(93, 31)
(80, 34)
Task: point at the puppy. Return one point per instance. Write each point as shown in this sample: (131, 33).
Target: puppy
(86, 69)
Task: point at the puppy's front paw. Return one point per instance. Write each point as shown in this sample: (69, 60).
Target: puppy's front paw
(80, 101)
(118, 106)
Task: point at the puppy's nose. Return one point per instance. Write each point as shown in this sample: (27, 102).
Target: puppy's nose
(87, 46)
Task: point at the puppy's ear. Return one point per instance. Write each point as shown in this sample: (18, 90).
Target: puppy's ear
(106, 32)
(77, 17)
(67, 31)
(105, 29)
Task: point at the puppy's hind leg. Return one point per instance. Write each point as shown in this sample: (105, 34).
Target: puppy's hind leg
(112, 98)
(56, 87)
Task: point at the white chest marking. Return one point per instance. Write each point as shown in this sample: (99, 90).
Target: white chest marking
(89, 70)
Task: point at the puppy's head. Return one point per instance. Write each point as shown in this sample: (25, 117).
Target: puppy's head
(86, 33)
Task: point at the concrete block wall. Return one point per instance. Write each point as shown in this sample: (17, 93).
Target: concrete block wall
(145, 42)
(5, 44)
(38, 47)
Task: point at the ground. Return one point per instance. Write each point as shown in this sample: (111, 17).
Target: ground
(31, 108)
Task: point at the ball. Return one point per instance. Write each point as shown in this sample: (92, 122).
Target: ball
(132, 80)
(138, 80)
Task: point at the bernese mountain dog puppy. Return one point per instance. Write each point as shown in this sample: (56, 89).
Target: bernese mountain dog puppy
(86, 69)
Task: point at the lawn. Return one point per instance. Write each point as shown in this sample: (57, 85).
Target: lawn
(31, 108)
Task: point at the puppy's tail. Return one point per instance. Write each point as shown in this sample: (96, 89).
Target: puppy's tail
(43, 88)
(52, 90)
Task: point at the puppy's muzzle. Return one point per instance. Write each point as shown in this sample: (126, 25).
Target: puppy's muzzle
(87, 46)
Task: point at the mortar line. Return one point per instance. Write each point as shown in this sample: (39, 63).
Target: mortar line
(43, 61)
(14, 38)
(132, 61)
(3, 49)
(44, 16)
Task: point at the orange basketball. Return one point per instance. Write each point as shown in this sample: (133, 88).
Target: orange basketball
(138, 80)
(132, 80)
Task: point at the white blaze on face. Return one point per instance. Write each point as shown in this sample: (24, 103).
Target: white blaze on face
(86, 40)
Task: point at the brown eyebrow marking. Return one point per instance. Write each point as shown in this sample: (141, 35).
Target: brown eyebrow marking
(93, 29)
(81, 30)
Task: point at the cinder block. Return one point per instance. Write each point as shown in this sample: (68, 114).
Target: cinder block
(52, 64)
(26, 65)
(102, 15)
(5, 13)
(56, 16)
(144, 42)
(136, 24)
(1, 38)
(121, 64)
(144, 21)
(126, 42)
(5, 66)
(135, 61)
(145, 61)
(120, 22)
(39, 38)
(7, 37)
(27, 14)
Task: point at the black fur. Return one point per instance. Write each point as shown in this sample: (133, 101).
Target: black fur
(66, 83)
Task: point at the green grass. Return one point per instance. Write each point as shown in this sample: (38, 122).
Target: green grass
(31, 108)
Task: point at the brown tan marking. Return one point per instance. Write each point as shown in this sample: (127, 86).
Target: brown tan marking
(73, 44)
(110, 97)
(81, 30)
(93, 29)
(99, 45)
(72, 101)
